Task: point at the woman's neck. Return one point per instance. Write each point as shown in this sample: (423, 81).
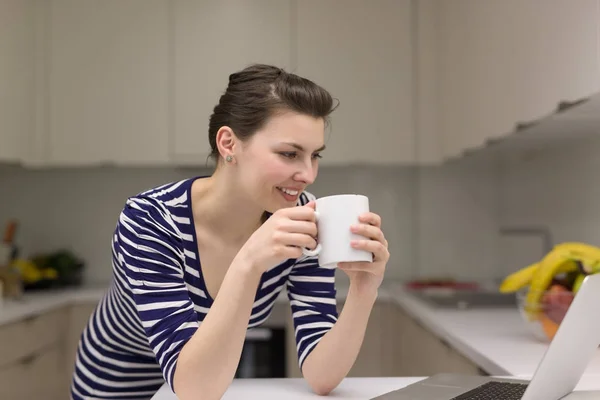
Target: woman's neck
(218, 207)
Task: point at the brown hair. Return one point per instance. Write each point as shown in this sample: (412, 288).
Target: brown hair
(258, 92)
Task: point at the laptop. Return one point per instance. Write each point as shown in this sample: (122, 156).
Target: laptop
(568, 355)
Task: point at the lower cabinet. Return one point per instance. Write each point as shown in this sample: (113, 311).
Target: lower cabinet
(395, 344)
(37, 353)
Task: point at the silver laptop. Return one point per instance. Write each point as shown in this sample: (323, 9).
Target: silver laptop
(557, 374)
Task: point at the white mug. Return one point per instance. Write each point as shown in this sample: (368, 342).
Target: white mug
(335, 214)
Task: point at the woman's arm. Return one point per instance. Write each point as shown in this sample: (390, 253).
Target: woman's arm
(208, 361)
(335, 354)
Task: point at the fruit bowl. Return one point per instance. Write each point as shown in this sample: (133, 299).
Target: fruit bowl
(543, 318)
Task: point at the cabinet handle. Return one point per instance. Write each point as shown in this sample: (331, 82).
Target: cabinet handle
(28, 360)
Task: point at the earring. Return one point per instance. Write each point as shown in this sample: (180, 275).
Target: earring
(228, 158)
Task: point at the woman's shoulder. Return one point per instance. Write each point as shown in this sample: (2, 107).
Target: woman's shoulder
(161, 202)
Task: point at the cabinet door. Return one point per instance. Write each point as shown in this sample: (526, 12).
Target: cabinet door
(17, 72)
(108, 82)
(361, 52)
(213, 39)
(511, 61)
(557, 54)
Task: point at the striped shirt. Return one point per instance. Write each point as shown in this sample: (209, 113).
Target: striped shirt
(158, 298)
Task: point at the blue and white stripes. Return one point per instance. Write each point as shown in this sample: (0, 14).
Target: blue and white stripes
(157, 299)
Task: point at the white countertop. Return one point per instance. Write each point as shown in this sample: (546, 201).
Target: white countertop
(350, 388)
(298, 389)
(37, 302)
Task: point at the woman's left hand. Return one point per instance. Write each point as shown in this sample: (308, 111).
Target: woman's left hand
(366, 277)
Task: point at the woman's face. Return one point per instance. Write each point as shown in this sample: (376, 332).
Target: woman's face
(279, 161)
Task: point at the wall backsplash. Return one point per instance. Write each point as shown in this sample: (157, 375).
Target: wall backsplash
(438, 220)
(557, 188)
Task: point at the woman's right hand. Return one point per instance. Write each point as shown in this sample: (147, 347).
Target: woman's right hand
(281, 237)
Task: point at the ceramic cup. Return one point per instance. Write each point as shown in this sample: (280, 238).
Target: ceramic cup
(335, 214)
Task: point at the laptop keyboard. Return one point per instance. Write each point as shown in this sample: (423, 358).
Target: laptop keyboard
(495, 391)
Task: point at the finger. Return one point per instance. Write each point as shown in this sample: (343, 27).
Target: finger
(294, 226)
(370, 218)
(377, 248)
(302, 213)
(296, 239)
(369, 231)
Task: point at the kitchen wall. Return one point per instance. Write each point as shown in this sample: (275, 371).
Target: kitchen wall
(438, 220)
(557, 188)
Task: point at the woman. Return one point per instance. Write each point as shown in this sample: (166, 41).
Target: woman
(199, 261)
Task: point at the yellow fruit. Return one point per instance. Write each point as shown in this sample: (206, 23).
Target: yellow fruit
(50, 273)
(555, 262)
(30, 273)
(578, 282)
(519, 279)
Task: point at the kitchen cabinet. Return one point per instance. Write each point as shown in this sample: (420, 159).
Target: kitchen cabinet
(17, 83)
(213, 39)
(507, 62)
(362, 53)
(419, 352)
(395, 344)
(32, 347)
(108, 82)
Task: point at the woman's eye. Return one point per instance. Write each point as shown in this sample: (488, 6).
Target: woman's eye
(317, 155)
(288, 154)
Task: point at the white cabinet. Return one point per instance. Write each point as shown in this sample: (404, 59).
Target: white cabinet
(31, 365)
(17, 72)
(361, 52)
(213, 39)
(506, 62)
(108, 82)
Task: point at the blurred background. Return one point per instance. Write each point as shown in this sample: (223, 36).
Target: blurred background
(472, 125)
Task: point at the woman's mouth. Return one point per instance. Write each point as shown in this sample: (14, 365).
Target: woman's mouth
(289, 194)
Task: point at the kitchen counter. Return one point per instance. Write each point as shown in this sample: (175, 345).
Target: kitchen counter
(38, 302)
(298, 389)
(495, 339)
(350, 388)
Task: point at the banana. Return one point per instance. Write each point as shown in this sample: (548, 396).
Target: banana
(554, 263)
(578, 282)
(518, 280)
(568, 257)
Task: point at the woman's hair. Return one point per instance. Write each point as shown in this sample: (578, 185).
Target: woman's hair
(260, 91)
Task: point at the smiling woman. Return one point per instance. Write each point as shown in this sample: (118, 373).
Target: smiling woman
(199, 261)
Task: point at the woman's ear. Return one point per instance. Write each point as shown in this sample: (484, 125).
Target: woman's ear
(226, 141)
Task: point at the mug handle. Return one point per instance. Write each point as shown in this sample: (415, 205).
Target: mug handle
(316, 250)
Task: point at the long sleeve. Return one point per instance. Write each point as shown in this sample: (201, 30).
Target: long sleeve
(150, 251)
(311, 291)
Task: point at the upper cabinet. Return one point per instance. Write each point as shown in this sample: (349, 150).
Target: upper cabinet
(211, 40)
(135, 82)
(361, 52)
(108, 82)
(507, 62)
(17, 73)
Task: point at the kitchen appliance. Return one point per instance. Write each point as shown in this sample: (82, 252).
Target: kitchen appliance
(263, 354)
